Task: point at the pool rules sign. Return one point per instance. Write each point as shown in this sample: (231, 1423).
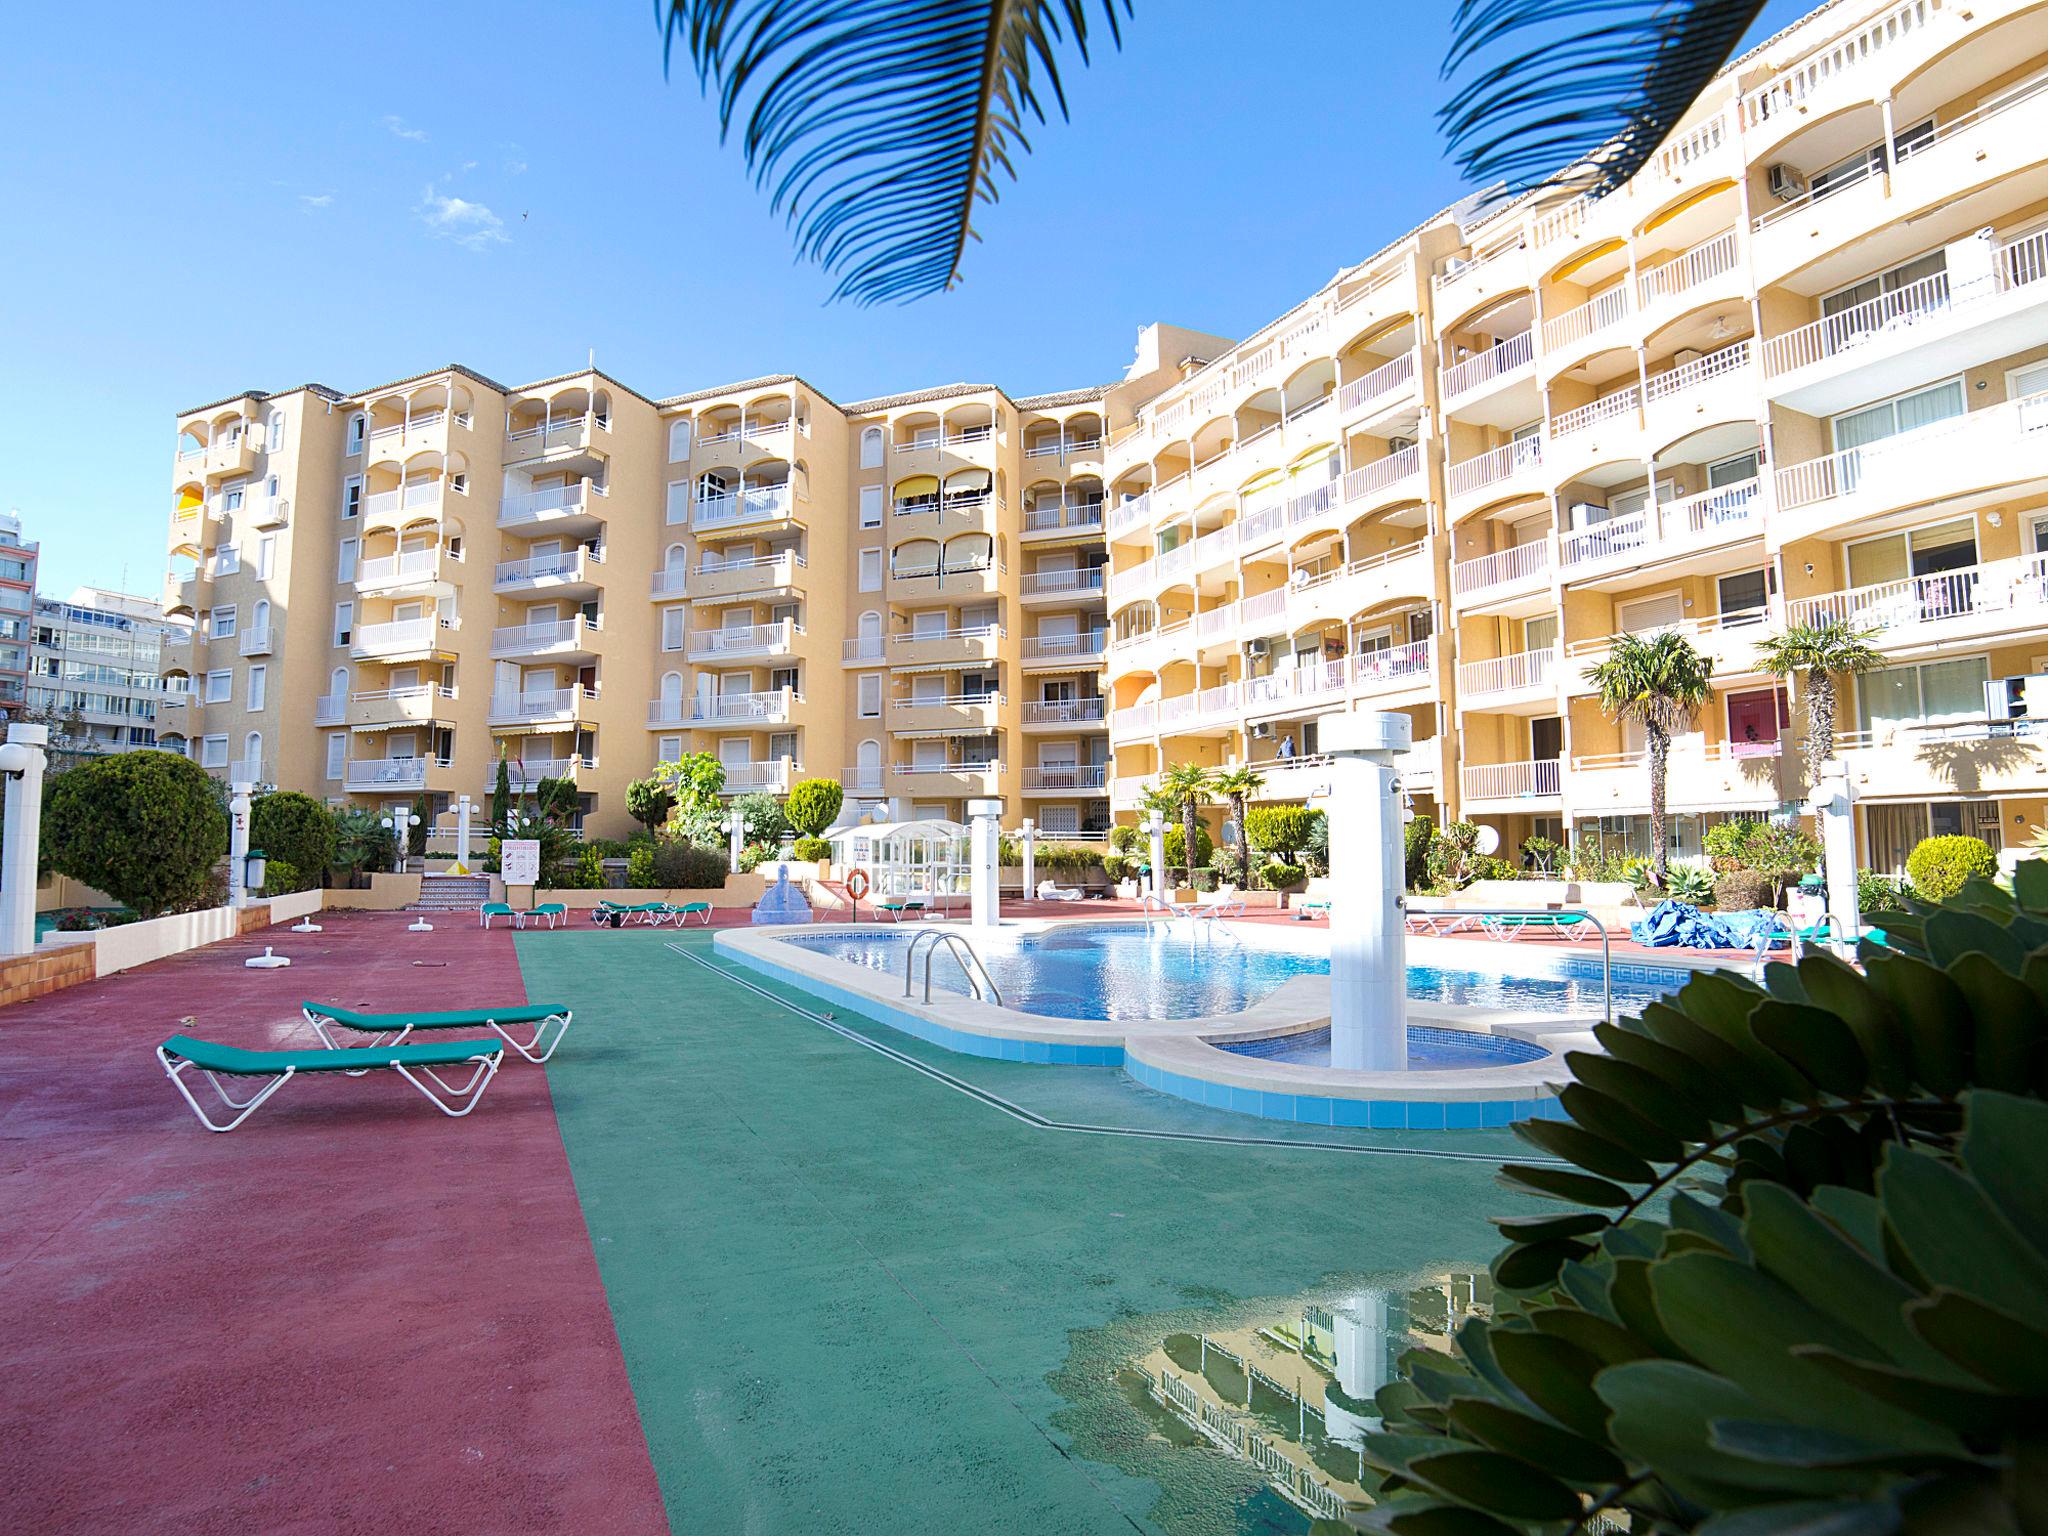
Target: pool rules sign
(519, 858)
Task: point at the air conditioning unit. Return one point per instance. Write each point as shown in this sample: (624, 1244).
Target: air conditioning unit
(2017, 698)
(1396, 444)
(1686, 355)
(1263, 731)
(1786, 184)
(1255, 647)
(1585, 514)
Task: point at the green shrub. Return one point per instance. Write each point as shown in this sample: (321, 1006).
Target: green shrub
(1125, 838)
(295, 828)
(1281, 877)
(1741, 890)
(648, 801)
(1415, 836)
(1545, 855)
(146, 827)
(1177, 846)
(1794, 1277)
(1725, 840)
(813, 805)
(581, 871)
(1281, 829)
(1488, 866)
(92, 919)
(814, 849)
(1116, 866)
(687, 867)
(1689, 882)
(281, 877)
(1452, 849)
(640, 866)
(1939, 865)
(1879, 893)
(761, 818)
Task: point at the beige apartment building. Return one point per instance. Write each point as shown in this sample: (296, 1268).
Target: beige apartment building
(1797, 367)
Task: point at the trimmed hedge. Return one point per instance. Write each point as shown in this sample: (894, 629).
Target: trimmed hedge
(1940, 866)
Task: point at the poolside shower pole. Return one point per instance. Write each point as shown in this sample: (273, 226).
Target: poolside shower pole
(1155, 828)
(1833, 807)
(1368, 931)
(1027, 837)
(984, 853)
(238, 844)
(21, 759)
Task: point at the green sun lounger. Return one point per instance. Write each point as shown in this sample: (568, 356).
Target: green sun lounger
(548, 1021)
(550, 912)
(491, 909)
(693, 908)
(1510, 926)
(181, 1054)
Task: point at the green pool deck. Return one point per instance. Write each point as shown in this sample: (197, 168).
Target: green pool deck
(844, 1288)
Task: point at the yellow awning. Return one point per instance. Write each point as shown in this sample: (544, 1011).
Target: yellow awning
(1581, 263)
(917, 485)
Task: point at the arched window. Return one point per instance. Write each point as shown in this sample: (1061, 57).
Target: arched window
(337, 683)
(671, 693)
(252, 755)
(676, 561)
(259, 616)
(358, 429)
(871, 448)
(869, 755)
(871, 626)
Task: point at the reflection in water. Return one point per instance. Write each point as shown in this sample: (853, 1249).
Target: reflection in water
(1283, 1390)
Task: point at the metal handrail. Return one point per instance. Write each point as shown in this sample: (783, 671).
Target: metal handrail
(978, 978)
(1574, 914)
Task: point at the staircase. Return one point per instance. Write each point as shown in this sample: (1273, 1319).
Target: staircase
(452, 893)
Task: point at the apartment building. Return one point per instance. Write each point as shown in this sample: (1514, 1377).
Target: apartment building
(95, 665)
(1797, 367)
(17, 608)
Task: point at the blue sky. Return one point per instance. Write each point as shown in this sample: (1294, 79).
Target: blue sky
(351, 194)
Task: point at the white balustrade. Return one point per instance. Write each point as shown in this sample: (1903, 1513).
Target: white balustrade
(1496, 465)
(1503, 357)
(1702, 263)
(1522, 562)
(1595, 315)
(1517, 673)
(1537, 780)
(1622, 402)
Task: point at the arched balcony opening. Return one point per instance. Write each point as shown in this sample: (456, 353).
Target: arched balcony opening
(914, 558)
(1492, 343)
(1709, 486)
(969, 554)
(1308, 390)
(969, 492)
(914, 432)
(1699, 348)
(1823, 160)
(1256, 417)
(1584, 301)
(966, 425)
(768, 416)
(915, 494)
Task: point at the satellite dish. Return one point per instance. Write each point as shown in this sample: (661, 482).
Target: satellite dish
(1489, 841)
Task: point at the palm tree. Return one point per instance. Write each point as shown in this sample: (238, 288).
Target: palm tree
(1185, 786)
(878, 125)
(1820, 653)
(1660, 682)
(1238, 785)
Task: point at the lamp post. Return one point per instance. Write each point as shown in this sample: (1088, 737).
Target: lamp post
(1155, 830)
(400, 825)
(1028, 837)
(238, 843)
(21, 760)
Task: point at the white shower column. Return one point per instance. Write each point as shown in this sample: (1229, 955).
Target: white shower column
(1368, 930)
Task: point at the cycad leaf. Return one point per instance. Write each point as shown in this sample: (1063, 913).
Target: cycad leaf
(1578, 93)
(876, 125)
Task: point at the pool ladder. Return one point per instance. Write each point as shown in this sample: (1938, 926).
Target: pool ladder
(978, 978)
(1572, 915)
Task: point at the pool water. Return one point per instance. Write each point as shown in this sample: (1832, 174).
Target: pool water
(1133, 971)
(1428, 1048)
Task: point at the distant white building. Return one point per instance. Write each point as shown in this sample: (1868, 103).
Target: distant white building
(94, 663)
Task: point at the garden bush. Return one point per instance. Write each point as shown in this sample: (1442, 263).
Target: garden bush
(1126, 838)
(814, 849)
(1741, 890)
(1280, 877)
(1689, 882)
(295, 828)
(1116, 866)
(761, 818)
(1939, 865)
(685, 866)
(91, 920)
(1281, 829)
(146, 827)
(1177, 847)
(1415, 836)
(1451, 851)
(640, 867)
(1879, 893)
(648, 801)
(581, 871)
(281, 877)
(813, 805)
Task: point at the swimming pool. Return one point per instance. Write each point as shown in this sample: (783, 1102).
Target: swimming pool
(1119, 971)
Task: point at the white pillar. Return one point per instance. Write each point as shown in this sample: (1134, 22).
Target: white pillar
(1028, 836)
(22, 761)
(1368, 928)
(238, 843)
(463, 807)
(1155, 829)
(1833, 807)
(984, 853)
(735, 832)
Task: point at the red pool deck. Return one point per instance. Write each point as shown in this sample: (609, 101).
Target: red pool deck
(352, 1314)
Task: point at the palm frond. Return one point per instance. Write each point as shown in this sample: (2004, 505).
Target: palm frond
(877, 125)
(1587, 89)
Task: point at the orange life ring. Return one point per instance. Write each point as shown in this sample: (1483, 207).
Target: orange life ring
(857, 884)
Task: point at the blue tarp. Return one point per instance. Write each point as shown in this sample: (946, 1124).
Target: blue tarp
(1679, 923)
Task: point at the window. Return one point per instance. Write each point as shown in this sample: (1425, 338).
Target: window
(266, 557)
(871, 570)
(673, 632)
(337, 753)
(1745, 593)
(213, 751)
(220, 686)
(357, 427)
(223, 622)
(276, 437)
(1887, 418)
(871, 506)
(679, 439)
(868, 691)
(780, 678)
(344, 622)
(345, 562)
(227, 560)
(871, 448)
(1924, 552)
(352, 496)
(669, 749)
(678, 501)
(1935, 690)
(259, 686)
(232, 497)
(1900, 277)
(2023, 382)
(782, 744)
(1895, 830)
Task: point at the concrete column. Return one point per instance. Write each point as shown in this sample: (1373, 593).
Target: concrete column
(1834, 809)
(463, 807)
(21, 759)
(1368, 930)
(735, 832)
(238, 844)
(1155, 830)
(1028, 836)
(984, 852)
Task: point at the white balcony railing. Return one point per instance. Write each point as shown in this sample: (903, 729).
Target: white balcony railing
(776, 570)
(1496, 465)
(1084, 646)
(1064, 712)
(1503, 357)
(1077, 580)
(771, 707)
(1522, 562)
(394, 570)
(1539, 780)
(1602, 541)
(548, 435)
(538, 704)
(1968, 442)
(421, 496)
(1081, 516)
(862, 648)
(568, 565)
(977, 768)
(1398, 666)
(745, 639)
(1595, 315)
(1518, 673)
(1622, 402)
(1783, 96)
(1383, 474)
(390, 772)
(1732, 358)
(2016, 586)
(330, 709)
(1069, 777)
(1704, 262)
(1667, 528)
(398, 637)
(255, 640)
(549, 503)
(669, 584)
(760, 504)
(862, 779)
(1384, 380)
(544, 635)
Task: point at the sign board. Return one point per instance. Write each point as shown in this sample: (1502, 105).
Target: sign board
(519, 859)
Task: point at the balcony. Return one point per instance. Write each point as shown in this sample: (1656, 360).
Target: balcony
(961, 575)
(1065, 585)
(1489, 368)
(743, 710)
(1850, 67)
(269, 512)
(1618, 408)
(1510, 787)
(1066, 652)
(746, 576)
(1384, 480)
(1974, 455)
(668, 586)
(862, 779)
(774, 775)
(1669, 282)
(563, 639)
(744, 640)
(1621, 546)
(1720, 386)
(571, 572)
(1049, 520)
(1698, 778)
(254, 641)
(949, 779)
(1976, 603)
(328, 709)
(742, 509)
(402, 504)
(539, 708)
(573, 510)
(234, 454)
(1089, 447)
(1938, 759)
(1318, 684)
(863, 648)
(414, 432)
(400, 639)
(1729, 640)
(395, 775)
(580, 441)
(1503, 575)
(1941, 324)
(1063, 714)
(424, 704)
(1525, 677)
(977, 642)
(967, 712)
(1565, 332)
(186, 590)
(527, 772)
(411, 570)
(1397, 669)
(1066, 779)
(1514, 468)
(1387, 385)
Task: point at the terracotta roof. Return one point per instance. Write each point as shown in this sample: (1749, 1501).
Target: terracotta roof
(1053, 401)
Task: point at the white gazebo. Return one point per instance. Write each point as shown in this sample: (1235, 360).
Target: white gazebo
(901, 858)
